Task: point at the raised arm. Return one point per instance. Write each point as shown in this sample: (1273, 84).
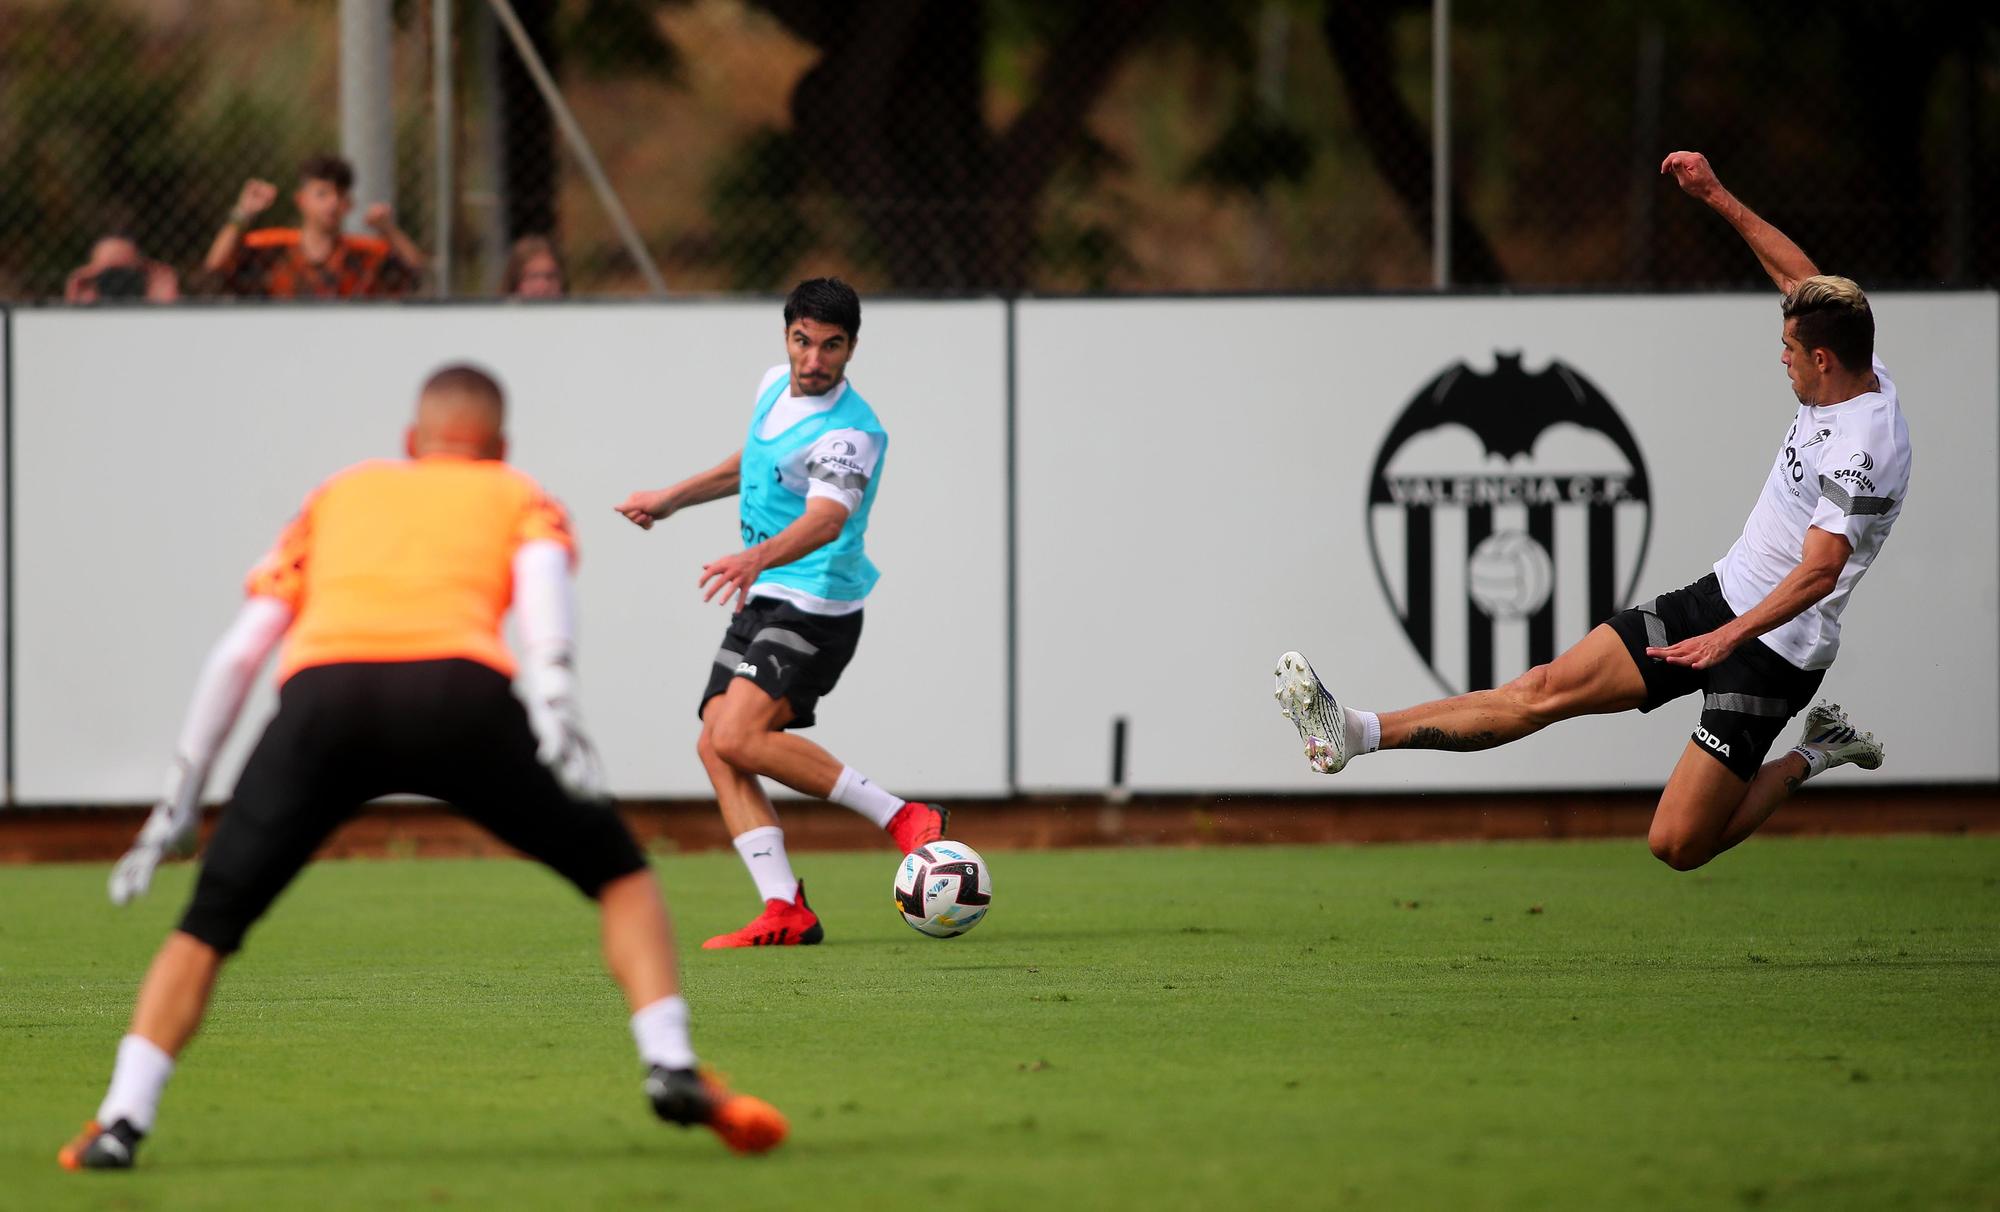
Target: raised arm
(255, 199)
(643, 508)
(1787, 264)
(382, 217)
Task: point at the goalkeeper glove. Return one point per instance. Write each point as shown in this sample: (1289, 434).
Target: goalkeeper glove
(557, 719)
(169, 830)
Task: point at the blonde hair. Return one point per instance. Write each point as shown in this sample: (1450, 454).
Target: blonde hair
(1833, 314)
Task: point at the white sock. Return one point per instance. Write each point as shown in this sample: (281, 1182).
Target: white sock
(136, 1081)
(1815, 760)
(1364, 731)
(763, 852)
(853, 790)
(661, 1031)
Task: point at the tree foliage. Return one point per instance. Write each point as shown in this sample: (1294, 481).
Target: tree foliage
(99, 136)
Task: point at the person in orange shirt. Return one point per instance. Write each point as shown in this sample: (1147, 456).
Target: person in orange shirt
(388, 590)
(314, 260)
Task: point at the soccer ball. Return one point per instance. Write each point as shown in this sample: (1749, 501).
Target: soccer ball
(943, 889)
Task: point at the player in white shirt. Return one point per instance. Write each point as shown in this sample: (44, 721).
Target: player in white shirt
(806, 477)
(1756, 635)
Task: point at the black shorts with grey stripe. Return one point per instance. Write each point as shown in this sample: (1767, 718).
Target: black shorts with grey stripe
(1746, 699)
(786, 652)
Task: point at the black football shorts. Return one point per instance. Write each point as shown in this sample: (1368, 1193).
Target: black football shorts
(788, 653)
(1746, 699)
(348, 733)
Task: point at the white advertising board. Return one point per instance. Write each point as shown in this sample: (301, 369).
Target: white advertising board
(1197, 486)
(160, 451)
(6, 697)
(1199, 492)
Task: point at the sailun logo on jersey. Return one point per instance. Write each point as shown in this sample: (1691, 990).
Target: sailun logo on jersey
(1508, 514)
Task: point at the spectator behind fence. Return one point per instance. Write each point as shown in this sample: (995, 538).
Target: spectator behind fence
(117, 270)
(314, 260)
(535, 270)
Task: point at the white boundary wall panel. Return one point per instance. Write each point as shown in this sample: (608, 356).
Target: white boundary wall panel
(1194, 478)
(6, 698)
(160, 452)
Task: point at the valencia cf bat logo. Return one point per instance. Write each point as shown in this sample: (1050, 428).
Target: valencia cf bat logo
(1508, 514)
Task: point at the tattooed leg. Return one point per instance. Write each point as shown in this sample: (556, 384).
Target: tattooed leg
(1594, 677)
(1431, 737)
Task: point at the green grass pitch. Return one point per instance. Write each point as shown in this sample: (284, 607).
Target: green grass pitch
(1804, 1024)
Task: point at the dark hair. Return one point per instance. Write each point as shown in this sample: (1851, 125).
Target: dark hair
(1833, 314)
(828, 300)
(332, 169)
(463, 378)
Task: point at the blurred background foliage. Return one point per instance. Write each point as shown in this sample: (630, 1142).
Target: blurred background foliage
(1040, 145)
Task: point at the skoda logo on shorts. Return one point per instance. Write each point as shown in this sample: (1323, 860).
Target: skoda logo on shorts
(1508, 514)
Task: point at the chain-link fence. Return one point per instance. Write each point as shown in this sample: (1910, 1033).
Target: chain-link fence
(143, 121)
(980, 145)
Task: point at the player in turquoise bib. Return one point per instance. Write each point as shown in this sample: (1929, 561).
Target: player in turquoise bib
(806, 479)
(840, 571)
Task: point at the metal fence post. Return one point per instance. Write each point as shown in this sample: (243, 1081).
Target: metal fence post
(367, 138)
(443, 117)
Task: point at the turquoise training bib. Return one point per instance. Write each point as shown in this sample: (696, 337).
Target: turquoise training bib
(841, 570)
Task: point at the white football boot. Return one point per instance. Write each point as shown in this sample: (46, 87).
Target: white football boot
(1321, 723)
(1829, 734)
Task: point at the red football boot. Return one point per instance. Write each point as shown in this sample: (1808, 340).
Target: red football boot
(782, 924)
(916, 825)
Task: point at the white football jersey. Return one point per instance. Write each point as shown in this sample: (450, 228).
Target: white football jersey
(1843, 468)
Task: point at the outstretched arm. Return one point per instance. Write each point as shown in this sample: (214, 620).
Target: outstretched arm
(643, 508)
(225, 681)
(1818, 571)
(1787, 264)
(734, 574)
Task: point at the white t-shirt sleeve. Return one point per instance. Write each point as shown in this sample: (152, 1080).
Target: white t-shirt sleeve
(772, 376)
(839, 464)
(1862, 479)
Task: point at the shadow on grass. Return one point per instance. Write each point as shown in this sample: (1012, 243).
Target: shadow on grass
(1900, 962)
(1755, 961)
(690, 1150)
(1031, 936)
